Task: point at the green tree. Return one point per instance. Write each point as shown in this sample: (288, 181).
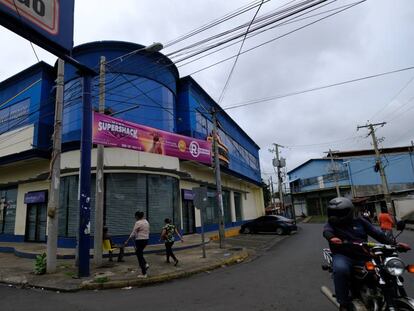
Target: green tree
(266, 194)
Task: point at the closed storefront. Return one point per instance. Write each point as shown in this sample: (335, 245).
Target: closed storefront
(125, 193)
(8, 199)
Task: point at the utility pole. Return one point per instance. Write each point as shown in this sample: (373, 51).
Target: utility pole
(53, 204)
(99, 202)
(353, 190)
(273, 192)
(279, 163)
(218, 180)
(335, 172)
(385, 190)
(411, 156)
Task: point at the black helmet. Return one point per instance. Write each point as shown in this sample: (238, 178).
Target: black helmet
(340, 211)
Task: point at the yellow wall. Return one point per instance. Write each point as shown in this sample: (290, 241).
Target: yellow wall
(16, 141)
(21, 208)
(23, 170)
(252, 202)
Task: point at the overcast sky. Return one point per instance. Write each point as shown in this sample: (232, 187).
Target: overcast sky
(373, 37)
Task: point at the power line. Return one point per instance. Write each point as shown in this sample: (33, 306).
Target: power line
(318, 88)
(274, 39)
(324, 143)
(31, 44)
(287, 22)
(237, 56)
(347, 7)
(393, 98)
(216, 22)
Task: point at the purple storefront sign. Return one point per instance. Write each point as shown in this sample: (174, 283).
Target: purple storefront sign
(115, 132)
(188, 194)
(35, 197)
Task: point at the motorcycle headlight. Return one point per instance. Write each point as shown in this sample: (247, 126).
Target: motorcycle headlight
(394, 266)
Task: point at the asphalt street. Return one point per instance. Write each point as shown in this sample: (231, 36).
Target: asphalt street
(287, 276)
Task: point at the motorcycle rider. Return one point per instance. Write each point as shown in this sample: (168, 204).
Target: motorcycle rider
(342, 227)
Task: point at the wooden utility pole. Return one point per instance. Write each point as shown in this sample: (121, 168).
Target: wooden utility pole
(219, 193)
(278, 163)
(335, 172)
(99, 202)
(53, 204)
(384, 182)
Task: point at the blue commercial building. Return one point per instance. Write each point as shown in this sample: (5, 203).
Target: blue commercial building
(313, 183)
(141, 87)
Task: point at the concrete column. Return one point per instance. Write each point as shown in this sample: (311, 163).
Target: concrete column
(232, 207)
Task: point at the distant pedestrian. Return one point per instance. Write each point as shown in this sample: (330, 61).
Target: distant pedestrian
(140, 233)
(386, 222)
(168, 235)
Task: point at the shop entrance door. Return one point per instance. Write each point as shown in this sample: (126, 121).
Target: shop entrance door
(36, 223)
(188, 217)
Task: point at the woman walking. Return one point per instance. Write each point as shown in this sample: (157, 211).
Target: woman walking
(167, 234)
(141, 234)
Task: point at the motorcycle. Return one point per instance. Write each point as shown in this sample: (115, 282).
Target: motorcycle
(378, 285)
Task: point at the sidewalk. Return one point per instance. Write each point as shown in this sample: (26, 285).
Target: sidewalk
(17, 265)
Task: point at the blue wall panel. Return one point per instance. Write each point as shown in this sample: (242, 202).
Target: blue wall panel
(196, 105)
(398, 169)
(27, 99)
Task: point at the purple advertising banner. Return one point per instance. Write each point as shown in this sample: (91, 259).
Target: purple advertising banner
(115, 132)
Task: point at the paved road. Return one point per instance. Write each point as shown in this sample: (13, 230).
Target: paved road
(286, 277)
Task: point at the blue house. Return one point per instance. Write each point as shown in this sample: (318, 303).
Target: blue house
(313, 183)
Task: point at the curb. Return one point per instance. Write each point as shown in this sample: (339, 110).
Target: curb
(227, 234)
(307, 219)
(32, 255)
(91, 285)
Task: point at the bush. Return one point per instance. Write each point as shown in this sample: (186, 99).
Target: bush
(40, 264)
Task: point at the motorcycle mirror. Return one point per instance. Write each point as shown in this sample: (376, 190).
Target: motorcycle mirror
(401, 225)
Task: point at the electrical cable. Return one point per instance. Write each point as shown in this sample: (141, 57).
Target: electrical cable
(318, 88)
(289, 21)
(290, 11)
(274, 39)
(237, 56)
(21, 20)
(242, 34)
(215, 22)
(393, 98)
(305, 25)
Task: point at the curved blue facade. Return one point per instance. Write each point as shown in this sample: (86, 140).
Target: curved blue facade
(140, 88)
(144, 88)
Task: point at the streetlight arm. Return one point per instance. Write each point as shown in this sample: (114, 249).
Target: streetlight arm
(152, 48)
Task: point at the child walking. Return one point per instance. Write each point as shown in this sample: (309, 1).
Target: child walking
(167, 234)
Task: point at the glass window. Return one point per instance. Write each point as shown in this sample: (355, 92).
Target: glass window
(226, 207)
(238, 206)
(69, 207)
(8, 199)
(210, 213)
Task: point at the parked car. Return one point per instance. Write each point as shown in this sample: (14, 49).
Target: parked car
(270, 223)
